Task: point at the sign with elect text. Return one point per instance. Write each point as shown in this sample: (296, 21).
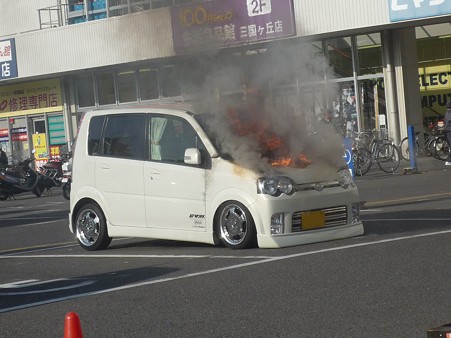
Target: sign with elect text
(220, 23)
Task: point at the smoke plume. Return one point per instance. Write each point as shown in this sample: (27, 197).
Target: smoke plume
(267, 94)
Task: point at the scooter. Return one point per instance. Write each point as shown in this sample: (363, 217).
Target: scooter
(20, 178)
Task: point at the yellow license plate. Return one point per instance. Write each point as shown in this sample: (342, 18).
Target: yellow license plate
(312, 220)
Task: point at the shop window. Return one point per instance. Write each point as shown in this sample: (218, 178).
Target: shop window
(105, 88)
(340, 56)
(85, 91)
(148, 84)
(126, 86)
(370, 54)
(170, 82)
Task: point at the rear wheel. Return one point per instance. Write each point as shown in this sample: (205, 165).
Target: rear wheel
(362, 161)
(441, 148)
(235, 225)
(90, 228)
(66, 190)
(37, 191)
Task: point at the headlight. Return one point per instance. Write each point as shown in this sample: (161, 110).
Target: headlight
(345, 178)
(275, 186)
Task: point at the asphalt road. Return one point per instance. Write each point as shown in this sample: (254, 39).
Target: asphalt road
(391, 282)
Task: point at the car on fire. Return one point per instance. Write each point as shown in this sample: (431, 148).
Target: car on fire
(165, 172)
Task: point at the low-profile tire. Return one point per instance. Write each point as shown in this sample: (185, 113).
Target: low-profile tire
(235, 225)
(91, 229)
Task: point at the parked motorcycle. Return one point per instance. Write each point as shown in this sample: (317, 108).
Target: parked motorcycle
(67, 178)
(20, 178)
(53, 170)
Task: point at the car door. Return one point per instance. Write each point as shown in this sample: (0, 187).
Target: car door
(119, 169)
(174, 191)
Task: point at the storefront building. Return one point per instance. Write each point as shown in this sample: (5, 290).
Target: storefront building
(381, 64)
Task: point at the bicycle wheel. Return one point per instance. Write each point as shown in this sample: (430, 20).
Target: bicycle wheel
(441, 148)
(362, 161)
(404, 148)
(388, 158)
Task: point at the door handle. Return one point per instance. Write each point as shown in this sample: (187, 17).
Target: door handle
(104, 166)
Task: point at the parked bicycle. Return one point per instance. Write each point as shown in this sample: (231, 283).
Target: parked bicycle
(369, 147)
(435, 145)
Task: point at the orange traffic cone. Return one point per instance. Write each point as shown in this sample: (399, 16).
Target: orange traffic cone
(72, 326)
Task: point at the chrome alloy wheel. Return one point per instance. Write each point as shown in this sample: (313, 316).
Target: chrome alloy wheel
(233, 224)
(88, 227)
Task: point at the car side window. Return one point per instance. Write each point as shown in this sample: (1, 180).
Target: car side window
(94, 134)
(124, 136)
(170, 137)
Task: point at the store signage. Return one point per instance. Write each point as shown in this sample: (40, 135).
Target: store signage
(415, 9)
(19, 134)
(435, 86)
(31, 97)
(8, 62)
(56, 130)
(4, 135)
(220, 23)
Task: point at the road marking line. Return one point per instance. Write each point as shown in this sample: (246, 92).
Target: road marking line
(407, 199)
(212, 271)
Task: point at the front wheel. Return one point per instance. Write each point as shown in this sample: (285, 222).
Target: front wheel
(388, 158)
(404, 148)
(235, 225)
(90, 228)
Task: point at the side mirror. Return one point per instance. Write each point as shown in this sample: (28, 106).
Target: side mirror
(192, 156)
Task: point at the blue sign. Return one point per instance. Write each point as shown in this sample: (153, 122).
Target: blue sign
(348, 155)
(415, 9)
(8, 61)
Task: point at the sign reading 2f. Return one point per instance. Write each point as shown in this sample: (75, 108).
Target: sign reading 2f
(415, 9)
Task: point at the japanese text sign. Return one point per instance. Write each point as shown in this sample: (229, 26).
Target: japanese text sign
(31, 97)
(221, 23)
(8, 63)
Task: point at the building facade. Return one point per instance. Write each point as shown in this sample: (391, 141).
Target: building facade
(379, 64)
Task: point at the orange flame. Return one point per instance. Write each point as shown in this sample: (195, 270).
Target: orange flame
(249, 122)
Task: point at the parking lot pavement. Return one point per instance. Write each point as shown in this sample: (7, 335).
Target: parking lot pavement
(431, 179)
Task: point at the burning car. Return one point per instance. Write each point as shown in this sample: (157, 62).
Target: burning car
(164, 171)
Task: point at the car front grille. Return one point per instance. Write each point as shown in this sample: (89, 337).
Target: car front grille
(332, 216)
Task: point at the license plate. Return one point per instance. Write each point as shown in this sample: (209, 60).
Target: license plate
(64, 180)
(312, 220)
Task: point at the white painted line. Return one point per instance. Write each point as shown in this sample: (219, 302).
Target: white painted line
(212, 271)
(33, 224)
(68, 287)
(405, 219)
(134, 256)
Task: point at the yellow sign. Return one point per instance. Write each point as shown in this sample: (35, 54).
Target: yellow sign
(435, 77)
(30, 98)
(435, 86)
(40, 146)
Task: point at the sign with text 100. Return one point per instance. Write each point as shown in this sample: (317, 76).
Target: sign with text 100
(220, 23)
